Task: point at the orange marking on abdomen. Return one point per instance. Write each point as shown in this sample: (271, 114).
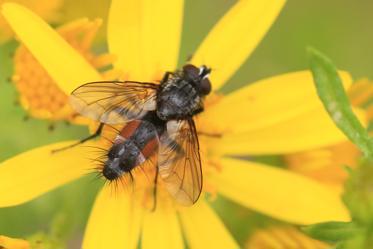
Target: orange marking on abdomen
(129, 129)
(150, 148)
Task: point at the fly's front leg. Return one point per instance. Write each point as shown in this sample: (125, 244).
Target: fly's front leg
(94, 135)
(189, 58)
(166, 76)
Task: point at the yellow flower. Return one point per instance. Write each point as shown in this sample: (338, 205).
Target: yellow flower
(283, 237)
(40, 95)
(281, 114)
(326, 164)
(11, 243)
(48, 9)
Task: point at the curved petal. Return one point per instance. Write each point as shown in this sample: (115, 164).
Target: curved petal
(267, 102)
(35, 172)
(235, 36)
(64, 64)
(310, 130)
(204, 229)
(145, 35)
(278, 193)
(115, 222)
(161, 229)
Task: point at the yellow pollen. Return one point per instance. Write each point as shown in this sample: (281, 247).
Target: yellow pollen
(39, 93)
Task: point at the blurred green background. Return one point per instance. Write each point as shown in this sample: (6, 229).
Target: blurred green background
(342, 29)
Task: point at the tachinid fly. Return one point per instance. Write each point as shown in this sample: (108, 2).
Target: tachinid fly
(158, 118)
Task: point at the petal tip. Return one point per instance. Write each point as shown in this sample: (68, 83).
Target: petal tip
(10, 7)
(12, 11)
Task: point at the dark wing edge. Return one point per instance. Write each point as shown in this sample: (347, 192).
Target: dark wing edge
(114, 102)
(179, 162)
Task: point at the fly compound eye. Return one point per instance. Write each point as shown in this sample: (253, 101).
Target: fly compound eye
(192, 72)
(205, 86)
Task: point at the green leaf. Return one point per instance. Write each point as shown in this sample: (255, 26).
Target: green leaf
(361, 241)
(332, 232)
(330, 90)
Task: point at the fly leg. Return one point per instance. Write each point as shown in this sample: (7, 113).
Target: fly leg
(166, 76)
(94, 135)
(155, 190)
(189, 58)
(215, 135)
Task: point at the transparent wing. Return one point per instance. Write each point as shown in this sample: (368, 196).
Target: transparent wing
(114, 102)
(179, 161)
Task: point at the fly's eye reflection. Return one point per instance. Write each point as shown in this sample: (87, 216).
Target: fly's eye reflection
(160, 123)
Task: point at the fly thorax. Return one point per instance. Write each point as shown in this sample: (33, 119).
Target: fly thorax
(178, 101)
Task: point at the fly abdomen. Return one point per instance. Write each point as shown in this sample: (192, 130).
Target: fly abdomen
(122, 157)
(135, 143)
(130, 156)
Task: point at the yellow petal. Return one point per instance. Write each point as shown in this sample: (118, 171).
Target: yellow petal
(280, 237)
(64, 64)
(11, 243)
(278, 193)
(145, 35)
(47, 9)
(310, 130)
(267, 102)
(35, 172)
(204, 229)
(161, 229)
(235, 36)
(114, 223)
